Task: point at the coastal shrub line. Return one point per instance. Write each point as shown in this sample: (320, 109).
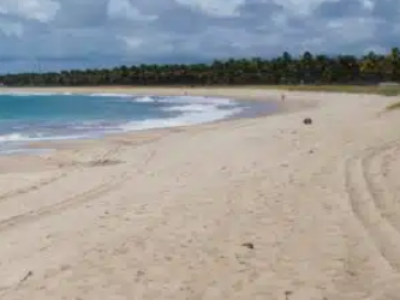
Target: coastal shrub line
(308, 71)
(394, 106)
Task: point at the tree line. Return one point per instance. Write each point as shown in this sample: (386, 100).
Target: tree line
(307, 68)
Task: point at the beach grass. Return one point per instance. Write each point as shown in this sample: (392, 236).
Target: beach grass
(388, 90)
(385, 90)
(394, 106)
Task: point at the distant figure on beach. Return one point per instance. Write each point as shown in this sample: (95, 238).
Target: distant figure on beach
(283, 97)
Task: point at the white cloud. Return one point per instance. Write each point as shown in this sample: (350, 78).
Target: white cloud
(361, 29)
(153, 45)
(368, 4)
(216, 8)
(300, 7)
(123, 9)
(376, 49)
(39, 10)
(92, 33)
(132, 43)
(11, 28)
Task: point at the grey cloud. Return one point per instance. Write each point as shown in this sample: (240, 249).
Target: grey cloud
(81, 14)
(85, 33)
(340, 9)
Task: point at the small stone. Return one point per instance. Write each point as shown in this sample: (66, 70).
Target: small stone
(307, 121)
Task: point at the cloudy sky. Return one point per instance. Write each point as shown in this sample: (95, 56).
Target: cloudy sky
(56, 34)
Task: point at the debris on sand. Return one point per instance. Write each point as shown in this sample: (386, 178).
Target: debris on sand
(288, 294)
(248, 245)
(29, 274)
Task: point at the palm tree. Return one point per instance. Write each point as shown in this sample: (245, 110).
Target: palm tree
(308, 68)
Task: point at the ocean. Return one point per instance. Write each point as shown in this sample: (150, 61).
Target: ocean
(26, 117)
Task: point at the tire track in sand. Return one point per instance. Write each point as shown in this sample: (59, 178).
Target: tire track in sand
(107, 156)
(386, 200)
(32, 187)
(101, 190)
(366, 200)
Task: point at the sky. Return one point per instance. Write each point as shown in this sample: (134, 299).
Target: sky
(50, 35)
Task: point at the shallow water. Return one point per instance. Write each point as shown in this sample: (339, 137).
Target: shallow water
(37, 117)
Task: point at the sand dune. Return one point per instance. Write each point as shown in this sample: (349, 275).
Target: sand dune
(263, 208)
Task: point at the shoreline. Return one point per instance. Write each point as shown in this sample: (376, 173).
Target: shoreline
(259, 107)
(251, 208)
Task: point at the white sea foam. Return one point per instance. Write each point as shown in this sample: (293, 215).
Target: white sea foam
(145, 99)
(18, 137)
(176, 100)
(26, 151)
(113, 95)
(197, 100)
(23, 94)
(185, 119)
(30, 94)
(185, 110)
(191, 108)
(13, 137)
(134, 98)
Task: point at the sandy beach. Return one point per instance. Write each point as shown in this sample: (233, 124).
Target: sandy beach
(261, 208)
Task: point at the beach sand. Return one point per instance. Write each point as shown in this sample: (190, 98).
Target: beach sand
(261, 208)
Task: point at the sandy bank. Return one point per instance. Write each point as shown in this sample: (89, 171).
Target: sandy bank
(262, 208)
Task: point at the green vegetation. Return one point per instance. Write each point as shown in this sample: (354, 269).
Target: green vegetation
(342, 73)
(356, 89)
(394, 106)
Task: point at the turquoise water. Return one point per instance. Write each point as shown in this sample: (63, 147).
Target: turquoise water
(34, 117)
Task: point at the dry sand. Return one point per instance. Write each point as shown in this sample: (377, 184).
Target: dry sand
(263, 208)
